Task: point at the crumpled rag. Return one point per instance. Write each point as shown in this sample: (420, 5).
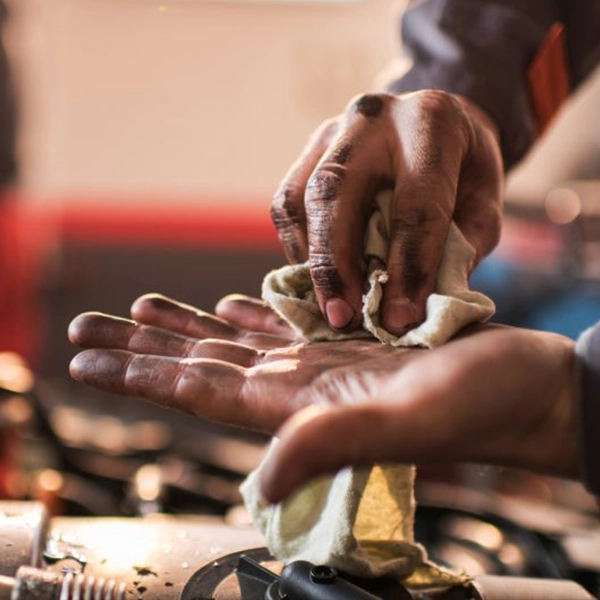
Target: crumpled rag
(360, 520)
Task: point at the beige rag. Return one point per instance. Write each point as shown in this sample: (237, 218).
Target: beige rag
(361, 519)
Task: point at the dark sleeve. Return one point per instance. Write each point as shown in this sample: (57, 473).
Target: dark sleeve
(588, 352)
(483, 49)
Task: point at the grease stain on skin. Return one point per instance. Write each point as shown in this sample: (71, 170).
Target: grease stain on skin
(343, 154)
(161, 304)
(412, 231)
(369, 105)
(413, 276)
(326, 279)
(323, 185)
(289, 219)
(287, 209)
(294, 251)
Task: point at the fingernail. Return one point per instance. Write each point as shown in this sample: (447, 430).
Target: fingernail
(400, 315)
(339, 313)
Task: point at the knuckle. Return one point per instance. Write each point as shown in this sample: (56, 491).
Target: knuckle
(324, 274)
(321, 260)
(436, 130)
(328, 129)
(289, 217)
(286, 206)
(370, 105)
(415, 221)
(439, 104)
(435, 112)
(324, 183)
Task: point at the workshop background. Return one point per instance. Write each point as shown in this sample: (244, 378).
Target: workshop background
(151, 138)
(152, 135)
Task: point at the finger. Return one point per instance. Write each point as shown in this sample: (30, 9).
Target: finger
(478, 211)
(424, 201)
(157, 310)
(334, 438)
(480, 221)
(205, 388)
(287, 209)
(95, 330)
(318, 441)
(253, 314)
(339, 198)
(418, 235)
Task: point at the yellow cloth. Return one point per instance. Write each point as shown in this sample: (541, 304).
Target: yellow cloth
(361, 519)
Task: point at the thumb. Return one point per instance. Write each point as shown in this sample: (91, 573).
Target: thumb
(320, 440)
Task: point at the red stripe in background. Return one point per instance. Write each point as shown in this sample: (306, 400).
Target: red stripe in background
(32, 229)
(215, 223)
(26, 243)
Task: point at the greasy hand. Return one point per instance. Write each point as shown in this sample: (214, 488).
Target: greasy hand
(440, 155)
(198, 363)
(494, 394)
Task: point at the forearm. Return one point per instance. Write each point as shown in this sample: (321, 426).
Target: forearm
(483, 51)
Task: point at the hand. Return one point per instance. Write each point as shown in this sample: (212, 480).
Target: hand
(494, 394)
(198, 363)
(440, 155)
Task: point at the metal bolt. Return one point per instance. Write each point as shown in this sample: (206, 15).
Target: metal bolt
(323, 574)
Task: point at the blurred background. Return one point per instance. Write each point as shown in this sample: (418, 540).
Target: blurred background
(150, 137)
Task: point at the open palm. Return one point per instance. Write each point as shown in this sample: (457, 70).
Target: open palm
(492, 394)
(187, 359)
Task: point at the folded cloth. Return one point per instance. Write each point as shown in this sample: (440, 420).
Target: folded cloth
(361, 519)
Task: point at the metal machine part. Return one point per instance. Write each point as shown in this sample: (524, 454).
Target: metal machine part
(23, 528)
(197, 558)
(36, 584)
(66, 558)
(253, 575)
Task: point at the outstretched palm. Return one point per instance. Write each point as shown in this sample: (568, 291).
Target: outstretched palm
(183, 358)
(493, 394)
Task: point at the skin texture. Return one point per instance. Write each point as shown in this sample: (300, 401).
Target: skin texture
(492, 395)
(440, 155)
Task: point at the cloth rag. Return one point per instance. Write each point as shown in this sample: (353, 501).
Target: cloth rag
(289, 291)
(361, 520)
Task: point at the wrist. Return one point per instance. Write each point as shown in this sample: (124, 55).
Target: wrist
(566, 443)
(556, 451)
